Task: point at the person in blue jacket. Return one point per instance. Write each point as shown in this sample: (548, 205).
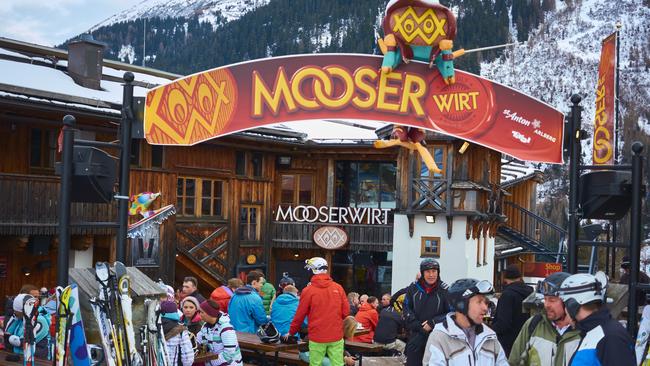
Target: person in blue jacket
(245, 308)
(604, 340)
(15, 329)
(284, 308)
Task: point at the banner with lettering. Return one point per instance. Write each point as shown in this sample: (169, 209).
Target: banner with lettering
(604, 134)
(252, 94)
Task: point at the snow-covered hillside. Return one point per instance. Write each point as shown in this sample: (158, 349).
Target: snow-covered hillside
(561, 57)
(207, 10)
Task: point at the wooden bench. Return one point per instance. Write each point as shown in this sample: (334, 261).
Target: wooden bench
(283, 358)
(361, 349)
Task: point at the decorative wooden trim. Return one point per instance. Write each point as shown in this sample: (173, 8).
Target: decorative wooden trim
(411, 219)
(450, 225)
(423, 252)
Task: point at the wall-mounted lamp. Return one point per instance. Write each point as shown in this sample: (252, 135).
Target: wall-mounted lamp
(430, 219)
(26, 271)
(284, 161)
(296, 255)
(464, 147)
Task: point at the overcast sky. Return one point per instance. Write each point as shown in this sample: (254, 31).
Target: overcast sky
(50, 22)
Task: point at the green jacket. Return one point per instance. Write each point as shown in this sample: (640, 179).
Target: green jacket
(268, 295)
(541, 348)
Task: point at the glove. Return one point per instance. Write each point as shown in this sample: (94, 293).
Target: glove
(15, 341)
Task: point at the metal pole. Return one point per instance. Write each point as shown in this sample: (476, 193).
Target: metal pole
(125, 162)
(574, 170)
(635, 235)
(616, 133)
(63, 258)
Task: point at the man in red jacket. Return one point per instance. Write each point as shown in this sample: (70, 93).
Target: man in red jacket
(368, 318)
(324, 302)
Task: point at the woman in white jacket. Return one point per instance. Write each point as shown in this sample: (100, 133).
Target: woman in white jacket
(462, 338)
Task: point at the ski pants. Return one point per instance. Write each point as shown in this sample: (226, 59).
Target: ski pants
(415, 349)
(334, 351)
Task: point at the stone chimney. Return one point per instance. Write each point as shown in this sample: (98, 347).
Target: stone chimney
(85, 61)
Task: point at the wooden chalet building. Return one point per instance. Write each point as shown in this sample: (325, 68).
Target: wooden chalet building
(259, 199)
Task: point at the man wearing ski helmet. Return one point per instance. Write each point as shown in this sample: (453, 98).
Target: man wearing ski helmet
(547, 339)
(605, 341)
(462, 338)
(425, 302)
(325, 304)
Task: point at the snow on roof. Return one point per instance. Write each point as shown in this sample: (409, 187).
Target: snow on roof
(513, 171)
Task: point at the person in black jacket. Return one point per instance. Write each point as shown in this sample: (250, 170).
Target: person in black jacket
(425, 303)
(509, 317)
(389, 326)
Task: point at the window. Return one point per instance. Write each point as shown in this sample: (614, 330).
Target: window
(42, 148)
(296, 189)
(439, 154)
(366, 184)
(156, 156)
(430, 246)
(200, 197)
(464, 200)
(249, 164)
(249, 223)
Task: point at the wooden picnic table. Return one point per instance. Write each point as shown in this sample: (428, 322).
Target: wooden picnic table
(361, 331)
(252, 342)
(361, 348)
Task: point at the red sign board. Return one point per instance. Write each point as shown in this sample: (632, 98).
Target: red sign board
(248, 95)
(541, 269)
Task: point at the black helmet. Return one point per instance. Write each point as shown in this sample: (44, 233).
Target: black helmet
(429, 263)
(462, 290)
(550, 286)
(268, 333)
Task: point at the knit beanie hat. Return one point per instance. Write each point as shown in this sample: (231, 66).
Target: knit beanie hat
(168, 307)
(512, 272)
(191, 299)
(211, 308)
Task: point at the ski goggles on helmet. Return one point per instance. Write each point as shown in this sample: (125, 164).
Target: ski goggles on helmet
(547, 288)
(483, 287)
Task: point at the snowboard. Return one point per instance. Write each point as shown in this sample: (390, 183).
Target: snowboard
(78, 346)
(62, 333)
(124, 286)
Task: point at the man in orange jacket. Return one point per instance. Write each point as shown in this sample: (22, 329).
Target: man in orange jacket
(324, 302)
(368, 318)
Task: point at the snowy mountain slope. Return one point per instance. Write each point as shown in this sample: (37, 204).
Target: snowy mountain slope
(211, 11)
(561, 57)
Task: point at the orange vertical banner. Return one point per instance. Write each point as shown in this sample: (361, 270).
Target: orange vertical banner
(604, 134)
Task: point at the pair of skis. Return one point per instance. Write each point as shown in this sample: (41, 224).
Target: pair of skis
(70, 333)
(113, 312)
(153, 338)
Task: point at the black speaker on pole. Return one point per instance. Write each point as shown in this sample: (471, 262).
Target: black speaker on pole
(38, 245)
(605, 194)
(94, 175)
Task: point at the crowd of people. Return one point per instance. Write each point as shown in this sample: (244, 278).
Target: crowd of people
(425, 323)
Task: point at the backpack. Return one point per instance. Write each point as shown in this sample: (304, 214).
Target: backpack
(534, 322)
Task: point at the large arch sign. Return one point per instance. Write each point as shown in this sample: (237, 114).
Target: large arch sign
(251, 94)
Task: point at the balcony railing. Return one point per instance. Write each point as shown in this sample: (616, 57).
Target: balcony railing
(30, 207)
(361, 237)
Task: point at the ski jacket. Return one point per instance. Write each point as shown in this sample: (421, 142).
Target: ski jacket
(222, 295)
(448, 345)
(509, 316)
(193, 325)
(284, 308)
(420, 305)
(222, 340)
(604, 342)
(541, 345)
(246, 310)
(268, 294)
(326, 305)
(15, 326)
(368, 318)
(389, 326)
(177, 340)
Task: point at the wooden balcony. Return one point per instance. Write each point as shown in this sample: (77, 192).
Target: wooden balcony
(30, 207)
(361, 237)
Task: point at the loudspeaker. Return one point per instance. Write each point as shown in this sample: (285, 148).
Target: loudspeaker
(605, 194)
(94, 175)
(38, 245)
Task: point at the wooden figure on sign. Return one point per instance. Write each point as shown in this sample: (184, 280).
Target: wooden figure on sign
(420, 30)
(413, 139)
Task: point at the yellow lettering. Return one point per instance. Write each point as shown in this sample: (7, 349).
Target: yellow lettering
(443, 102)
(473, 95)
(330, 101)
(262, 94)
(463, 100)
(602, 144)
(412, 97)
(386, 90)
(309, 72)
(367, 89)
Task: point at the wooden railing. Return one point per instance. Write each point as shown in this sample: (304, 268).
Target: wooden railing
(30, 207)
(299, 234)
(534, 227)
(429, 194)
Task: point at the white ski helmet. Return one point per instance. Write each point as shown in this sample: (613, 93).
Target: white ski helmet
(317, 265)
(582, 288)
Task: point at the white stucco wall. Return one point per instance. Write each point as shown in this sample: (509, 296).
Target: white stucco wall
(457, 255)
(82, 258)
